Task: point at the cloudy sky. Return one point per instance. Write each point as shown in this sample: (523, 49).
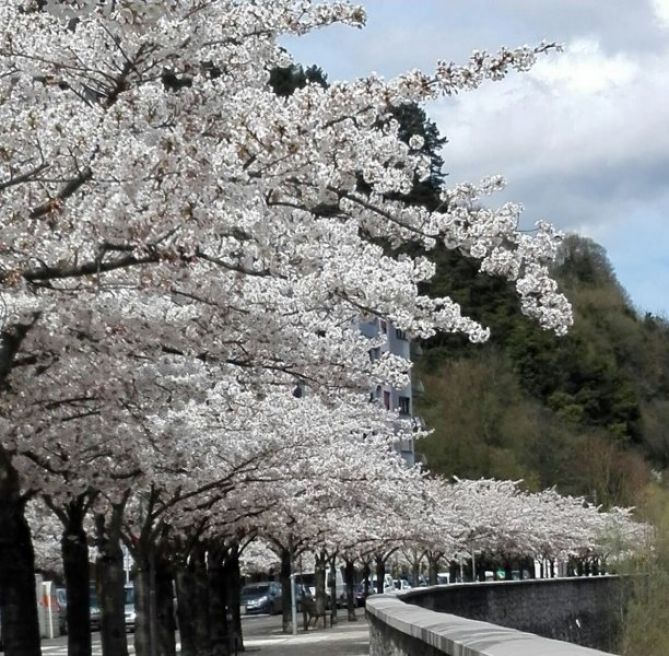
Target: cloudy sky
(583, 139)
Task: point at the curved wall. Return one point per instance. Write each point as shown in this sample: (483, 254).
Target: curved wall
(522, 618)
(585, 611)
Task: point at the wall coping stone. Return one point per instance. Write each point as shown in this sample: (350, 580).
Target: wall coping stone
(416, 592)
(457, 636)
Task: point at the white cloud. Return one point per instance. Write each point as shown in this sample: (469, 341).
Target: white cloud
(583, 139)
(582, 114)
(584, 69)
(661, 10)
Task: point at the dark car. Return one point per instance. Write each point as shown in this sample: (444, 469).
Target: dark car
(61, 599)
(261, 598)
(96, 614)
(360, 596)
(130, 613)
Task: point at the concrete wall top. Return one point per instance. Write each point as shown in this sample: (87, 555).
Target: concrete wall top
(457, 636)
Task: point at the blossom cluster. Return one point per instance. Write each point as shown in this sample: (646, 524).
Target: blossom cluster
(181, 249)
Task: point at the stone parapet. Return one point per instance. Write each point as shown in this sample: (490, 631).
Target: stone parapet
(398, 628)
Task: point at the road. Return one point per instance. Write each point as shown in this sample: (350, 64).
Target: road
(262, 635)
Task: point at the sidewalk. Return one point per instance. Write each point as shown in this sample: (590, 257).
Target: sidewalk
(345, 639)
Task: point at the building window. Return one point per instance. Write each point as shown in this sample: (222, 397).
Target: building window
(400, 334)
(374, 354)
(386, 400)
(404, 405)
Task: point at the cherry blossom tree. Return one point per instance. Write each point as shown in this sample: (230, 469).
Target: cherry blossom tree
(165, 213)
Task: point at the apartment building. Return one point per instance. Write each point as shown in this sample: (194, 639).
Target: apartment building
(401, 400)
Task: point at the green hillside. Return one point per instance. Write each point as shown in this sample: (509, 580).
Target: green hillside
(586, 412)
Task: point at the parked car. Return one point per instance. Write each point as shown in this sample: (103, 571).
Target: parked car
(388, 584)
(96, 614)
(402, 585)
(262, 598)
(359, 594)
(443, 578)
(420, 582)
(61, 599)
(130, 612)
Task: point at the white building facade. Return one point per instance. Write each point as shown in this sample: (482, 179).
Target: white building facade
(399, 400)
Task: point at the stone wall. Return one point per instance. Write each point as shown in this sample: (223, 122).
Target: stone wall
(585, 610)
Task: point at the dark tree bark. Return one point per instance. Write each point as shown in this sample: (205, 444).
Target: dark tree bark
(166, 625)
(186, 605)
(526, 564)
(321, 595)
(350, 590)
(218, 617)
(415, 572)
(202, 606)
(111, 584)
(365, 577)
(154, 603)
(233, 588)
(508, 570)
(332, 583)
(453, 571)
(284, 575)
(432, 569)
(380, 573)
(18, 604)
(143, 603)
(74, 548)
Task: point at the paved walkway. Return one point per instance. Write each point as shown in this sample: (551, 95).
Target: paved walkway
(345, 639)
(264, 638)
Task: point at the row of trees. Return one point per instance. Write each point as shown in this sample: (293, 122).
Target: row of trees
(464, 526)
(184, 259)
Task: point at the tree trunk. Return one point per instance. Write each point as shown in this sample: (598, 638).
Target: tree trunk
(111, 584)
(233, 579)
(142, 581)
(432, 565)
(285, 571)
(479, 571)
(186, 604)
(166, 626)
(332, 584)
(218, 617)
(202, 609)
(453, 571)
(18, 604)
(415, 573)
(508, 570)
(350, 591)
(321, 597)
(74, 548)
(380, 573)
(365, 577)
